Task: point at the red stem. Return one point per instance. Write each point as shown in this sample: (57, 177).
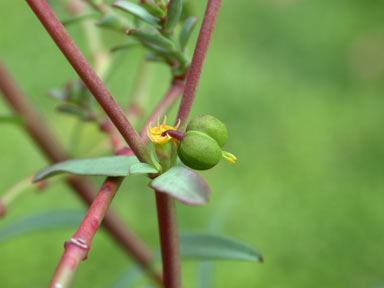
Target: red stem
(193, 76)
(166, 209)
(48, 144)
(89, 77)
(169, 240)
(77, 248)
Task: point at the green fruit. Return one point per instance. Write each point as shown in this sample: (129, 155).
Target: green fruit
(211, 126)
(199, 151)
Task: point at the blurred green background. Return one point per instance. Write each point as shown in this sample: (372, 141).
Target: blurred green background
(299, 84)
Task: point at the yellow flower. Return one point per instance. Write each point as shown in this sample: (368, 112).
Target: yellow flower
(155, 133)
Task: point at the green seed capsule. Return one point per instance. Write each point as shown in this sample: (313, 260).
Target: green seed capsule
(210, 126)
(199, 151)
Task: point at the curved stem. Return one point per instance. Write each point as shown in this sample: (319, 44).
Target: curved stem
(202, 45)
(89, 77)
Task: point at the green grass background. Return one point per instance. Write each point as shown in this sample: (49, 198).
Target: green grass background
(299, 84)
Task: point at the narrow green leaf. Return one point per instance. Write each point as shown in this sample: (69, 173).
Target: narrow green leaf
(41, 222)
(216, 247)
(173, 15)
(12, 119)
(103, 166)
(78, 18)
(124, 46)
(59, 94)
(154, 9)
(128, 278)
(136, 11)
(112, 21)
(186, 31)
(152, 37)
(71, 109)
(182, 184)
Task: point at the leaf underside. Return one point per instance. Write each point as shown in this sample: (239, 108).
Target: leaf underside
(114, 166)
(182, 184)
(41, 222)
(216, 247)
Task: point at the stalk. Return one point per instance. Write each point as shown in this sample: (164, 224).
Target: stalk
(194, 73)
(77, 248)
(166, 209)
(65, 43)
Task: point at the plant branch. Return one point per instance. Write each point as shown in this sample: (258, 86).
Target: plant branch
(89, 77)
(194, 73)
(77, 248)
(48, 144)
(169, 240)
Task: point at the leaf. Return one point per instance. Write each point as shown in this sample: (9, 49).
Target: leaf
(136, 11)
(186, 31)
(73, 110)
(59, 94)
(154, 9)
(103, 166)
(40, 222)
(128, 278)
(124, 46)
(152, 37)
(14, 119)
(216, 247)
(111, 21)
(182, 184)
(173, 15)
(78, 18)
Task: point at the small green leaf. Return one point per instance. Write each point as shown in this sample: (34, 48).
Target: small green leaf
(128, 278)
(104, 166)
(78, 18)
(154, 9)
(186, 31)
(12, 119)
(41, 222)
(72, 109)
(112, 21)
(124, 46)
(173, 15)
(152, 37)
(216, 247)
(136, 11)
(182, 184)
(59, 94)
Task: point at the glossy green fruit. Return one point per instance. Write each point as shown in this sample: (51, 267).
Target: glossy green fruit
(199, 151)
(211, 126)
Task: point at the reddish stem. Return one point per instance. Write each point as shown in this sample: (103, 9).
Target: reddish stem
(169, 240)
(48, 144)
(77, 248)
(165, 204)
(173, 93)
(62, 39)
(194, 73)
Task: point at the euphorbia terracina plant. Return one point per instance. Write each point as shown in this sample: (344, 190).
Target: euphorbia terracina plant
(163, 29)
